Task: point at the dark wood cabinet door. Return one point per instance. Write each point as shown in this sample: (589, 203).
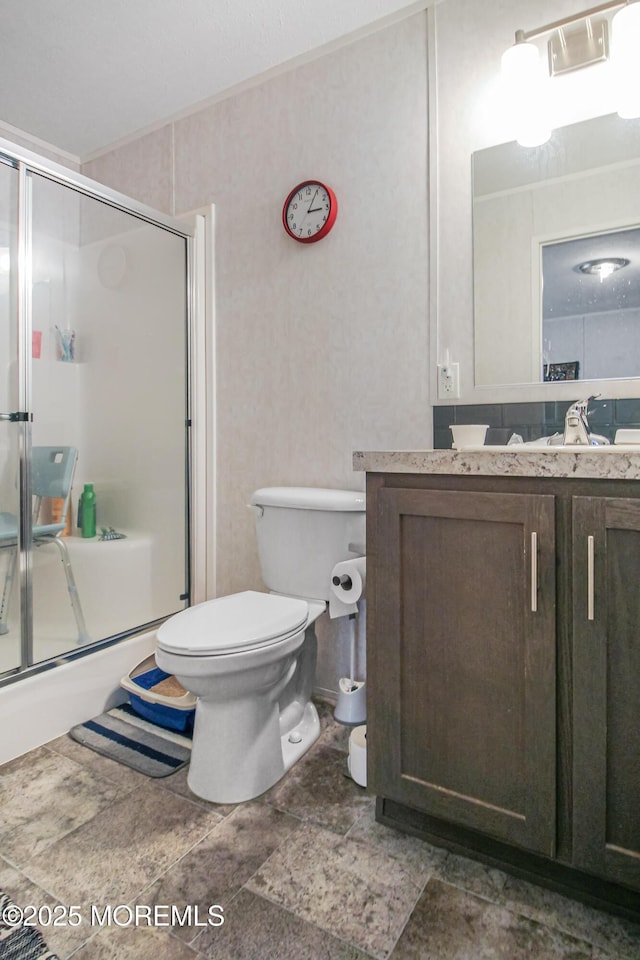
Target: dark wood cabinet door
(606, 671)
(461, 659)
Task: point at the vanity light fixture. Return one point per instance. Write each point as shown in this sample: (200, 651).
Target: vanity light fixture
(603, 267)
(625, 43)
(525, 88)
(574, 42)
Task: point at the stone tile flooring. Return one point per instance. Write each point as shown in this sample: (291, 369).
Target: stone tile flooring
(302, 873)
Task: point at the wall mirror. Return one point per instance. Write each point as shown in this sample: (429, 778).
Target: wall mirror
(556, 256)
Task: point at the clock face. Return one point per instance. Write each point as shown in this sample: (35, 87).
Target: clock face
(309, 211)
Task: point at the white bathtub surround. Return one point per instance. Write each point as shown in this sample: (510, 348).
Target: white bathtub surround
(115, 586)
(44, 706)
(120, 570)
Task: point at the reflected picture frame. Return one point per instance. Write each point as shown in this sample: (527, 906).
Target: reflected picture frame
(556, 372)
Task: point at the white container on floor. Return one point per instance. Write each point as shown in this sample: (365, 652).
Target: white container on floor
(357, 761)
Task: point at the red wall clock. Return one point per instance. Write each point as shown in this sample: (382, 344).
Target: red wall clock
(309, 211)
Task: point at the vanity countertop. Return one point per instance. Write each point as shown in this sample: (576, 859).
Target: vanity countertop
(586, 464)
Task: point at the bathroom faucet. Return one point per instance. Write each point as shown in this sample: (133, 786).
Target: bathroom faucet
(576, 425)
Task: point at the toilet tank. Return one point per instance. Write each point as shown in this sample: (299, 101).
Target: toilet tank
(303, 532)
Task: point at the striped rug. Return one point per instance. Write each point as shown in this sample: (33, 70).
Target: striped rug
(126, 737)
(19, 942)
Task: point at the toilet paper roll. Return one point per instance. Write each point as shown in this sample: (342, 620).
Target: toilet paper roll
(338, 608)
(357, 760)
(348, 579)
(347, 586)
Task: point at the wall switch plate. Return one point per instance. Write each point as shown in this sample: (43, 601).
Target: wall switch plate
(448, 381)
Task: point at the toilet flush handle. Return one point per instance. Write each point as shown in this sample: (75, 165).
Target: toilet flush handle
(256, 509)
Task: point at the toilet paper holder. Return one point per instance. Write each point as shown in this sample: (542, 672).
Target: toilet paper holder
(343, 581)
(347, 589)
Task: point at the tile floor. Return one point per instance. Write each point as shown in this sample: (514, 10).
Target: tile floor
(302, 873)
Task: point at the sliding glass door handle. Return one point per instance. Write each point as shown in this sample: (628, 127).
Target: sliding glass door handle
(20, 416)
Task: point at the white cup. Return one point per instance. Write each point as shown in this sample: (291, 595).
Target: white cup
(468, 434)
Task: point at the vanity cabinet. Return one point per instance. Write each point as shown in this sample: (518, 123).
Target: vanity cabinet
(466, 662)
(503, 672)
(606, 696)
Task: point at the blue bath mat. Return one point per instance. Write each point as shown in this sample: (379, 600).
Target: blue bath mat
(126, 737)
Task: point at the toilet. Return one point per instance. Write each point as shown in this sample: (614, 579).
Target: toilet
(250, 657)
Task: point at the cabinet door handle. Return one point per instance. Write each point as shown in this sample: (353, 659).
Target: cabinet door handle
(590, 578)
(534, 571)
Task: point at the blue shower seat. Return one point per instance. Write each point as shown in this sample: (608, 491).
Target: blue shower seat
(52, 470)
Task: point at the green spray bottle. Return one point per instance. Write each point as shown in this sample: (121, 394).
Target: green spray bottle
(87, 511)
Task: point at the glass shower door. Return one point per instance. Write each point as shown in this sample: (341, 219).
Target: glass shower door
(11, 431)
(93, 397)
(109, 389)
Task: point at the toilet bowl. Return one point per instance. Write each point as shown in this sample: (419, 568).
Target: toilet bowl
(237, 654)
(250, 657)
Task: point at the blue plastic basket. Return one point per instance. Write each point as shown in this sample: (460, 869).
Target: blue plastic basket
(157, 710)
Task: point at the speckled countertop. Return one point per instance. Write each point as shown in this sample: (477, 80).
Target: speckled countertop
(612, 464)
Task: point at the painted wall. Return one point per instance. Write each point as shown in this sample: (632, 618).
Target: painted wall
(321, 349)
(469, 46)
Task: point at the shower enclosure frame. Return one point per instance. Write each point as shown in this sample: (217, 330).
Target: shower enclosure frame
(24, 162)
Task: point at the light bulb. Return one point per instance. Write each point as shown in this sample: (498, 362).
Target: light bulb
(525, 89)
(625, 43)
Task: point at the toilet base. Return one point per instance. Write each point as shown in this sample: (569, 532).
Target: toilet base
(308, 730)
(238, 775)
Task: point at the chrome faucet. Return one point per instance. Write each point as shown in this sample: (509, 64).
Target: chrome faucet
(576, 425)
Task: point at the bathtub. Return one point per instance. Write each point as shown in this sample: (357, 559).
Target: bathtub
(121, 585)
(40, 708)
(115, 587)
(118, 585)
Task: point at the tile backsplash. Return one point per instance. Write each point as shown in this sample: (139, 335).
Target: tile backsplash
(532, 420)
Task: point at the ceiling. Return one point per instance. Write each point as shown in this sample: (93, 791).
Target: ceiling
(82, 75)
(568, 292)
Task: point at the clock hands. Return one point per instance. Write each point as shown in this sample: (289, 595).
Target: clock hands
(313, 209)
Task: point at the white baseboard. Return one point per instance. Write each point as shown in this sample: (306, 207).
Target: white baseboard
(324, 694)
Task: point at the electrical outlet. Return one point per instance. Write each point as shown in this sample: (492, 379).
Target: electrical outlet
(448, 381)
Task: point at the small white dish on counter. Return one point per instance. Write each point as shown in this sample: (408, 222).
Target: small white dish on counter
(467, 434)
(627, 435)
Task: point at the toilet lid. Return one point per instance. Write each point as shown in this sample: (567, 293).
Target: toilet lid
(242, 621)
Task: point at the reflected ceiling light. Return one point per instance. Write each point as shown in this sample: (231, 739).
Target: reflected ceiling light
(574, 42)
(603, 267)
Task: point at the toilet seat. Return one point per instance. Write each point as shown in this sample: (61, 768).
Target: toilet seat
(237, 623)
